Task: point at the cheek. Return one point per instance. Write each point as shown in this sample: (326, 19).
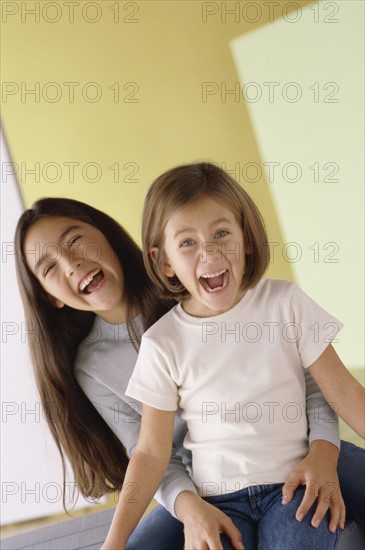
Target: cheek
(54, 290)
(184, 261)
(54, 286)
(235, 251)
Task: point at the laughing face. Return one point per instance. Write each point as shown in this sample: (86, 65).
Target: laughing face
(76, 266)
(205, 250)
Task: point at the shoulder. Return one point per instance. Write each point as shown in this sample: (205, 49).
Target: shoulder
(88, 348)
(106, 349)
(166, 325)
(272, 289)
(287, 293)
(165, 338)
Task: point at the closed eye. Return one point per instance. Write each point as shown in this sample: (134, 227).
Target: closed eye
(73, 241)
(48, 269)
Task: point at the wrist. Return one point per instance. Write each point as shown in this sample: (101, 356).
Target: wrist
(324, 446)
(324, 452)
(185, 503)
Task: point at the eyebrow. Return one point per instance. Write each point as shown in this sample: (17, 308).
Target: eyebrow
(61, 239)
(215, 222)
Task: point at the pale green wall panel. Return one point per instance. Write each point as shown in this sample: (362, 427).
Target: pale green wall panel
(302, 79)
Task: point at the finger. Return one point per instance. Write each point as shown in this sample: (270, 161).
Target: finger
(214, 543)
(288, 491)
(335, 516)
(234, 534)
(321, 511)
(203, 542)
(191, 544)
(310, 495)
(334, 491)
(341, 521)
(338, 512)
(333, 496)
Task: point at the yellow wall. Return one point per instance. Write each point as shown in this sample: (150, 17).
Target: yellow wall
(169, 53)
(161, 56)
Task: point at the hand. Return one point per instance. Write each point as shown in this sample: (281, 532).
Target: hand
(203, 524)
(318, 471)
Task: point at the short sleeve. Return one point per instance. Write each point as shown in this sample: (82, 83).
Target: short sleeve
(315, 328)
(152, 381)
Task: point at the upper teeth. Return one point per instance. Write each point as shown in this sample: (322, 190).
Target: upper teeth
(208, 275)
(88, 279)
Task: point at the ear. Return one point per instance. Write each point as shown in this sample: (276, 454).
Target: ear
(55, 302)
(166, 267)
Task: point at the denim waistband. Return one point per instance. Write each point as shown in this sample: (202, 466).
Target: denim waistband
(251, 490)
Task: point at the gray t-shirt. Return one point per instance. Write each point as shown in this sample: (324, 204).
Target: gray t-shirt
(104, 364)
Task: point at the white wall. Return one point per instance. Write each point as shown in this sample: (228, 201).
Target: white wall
(31, 475)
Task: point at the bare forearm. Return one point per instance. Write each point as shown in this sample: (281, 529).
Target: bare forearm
(352, 408)
(325, 449)
(176, 479)
(142, 479)
(184, 504)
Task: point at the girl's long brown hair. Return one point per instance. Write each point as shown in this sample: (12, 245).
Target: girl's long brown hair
(97, 457)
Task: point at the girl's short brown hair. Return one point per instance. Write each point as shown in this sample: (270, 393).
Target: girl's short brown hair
(182, 185)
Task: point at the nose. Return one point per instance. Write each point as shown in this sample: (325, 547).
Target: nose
(71, 265)
(211, 252)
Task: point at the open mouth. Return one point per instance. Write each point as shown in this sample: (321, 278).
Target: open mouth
(212, 282)
(91, 282)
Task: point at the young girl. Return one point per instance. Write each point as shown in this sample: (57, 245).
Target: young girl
(232, 354)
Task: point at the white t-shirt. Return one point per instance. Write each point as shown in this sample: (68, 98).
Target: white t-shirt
(239, 379)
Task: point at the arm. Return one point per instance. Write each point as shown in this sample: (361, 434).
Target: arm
(318, 470)
(177, 492)
(144, 472)
(122, 414)
(339, 387)
(347, 397)
(342, 391)
(322, 420)
(204, 523)
(176, 479)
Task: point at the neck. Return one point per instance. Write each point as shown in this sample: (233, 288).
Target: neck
(114, 316)
(118, 316)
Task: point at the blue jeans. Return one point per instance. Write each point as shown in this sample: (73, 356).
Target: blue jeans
(266, 524)
(351, 473)
(160, 531)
